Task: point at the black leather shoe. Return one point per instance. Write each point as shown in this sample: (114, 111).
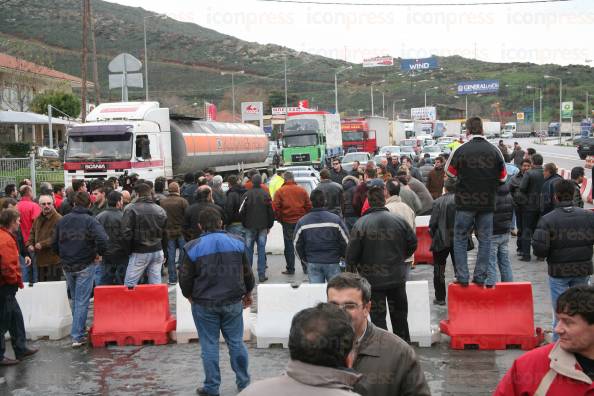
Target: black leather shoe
(28, 352)
(262, 279)
(525, 258)
(439, 302)
(288, 273)
(9, 362)
(463, 284)
(202, 392)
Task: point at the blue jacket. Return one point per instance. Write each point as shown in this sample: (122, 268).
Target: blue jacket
(321, 237)
(79, 238)
(215, 269)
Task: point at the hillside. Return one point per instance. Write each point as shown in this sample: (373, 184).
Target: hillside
(186, 61)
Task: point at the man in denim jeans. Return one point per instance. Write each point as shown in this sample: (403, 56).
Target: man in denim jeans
(175, 207)
(502, 224)
(143, 226)
(564, 236)
(479, 168)
(216, 276)
(321, 239)
(258, 218)
(79, 241)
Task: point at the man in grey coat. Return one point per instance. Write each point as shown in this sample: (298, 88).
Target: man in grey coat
(388, 364)
(333, 193)
(320, 344)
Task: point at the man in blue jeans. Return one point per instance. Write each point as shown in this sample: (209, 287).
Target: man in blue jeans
(479, 168)
(216, 276)
(502, 225)
(321, 239)
(143, 226)
(80, 240)
(565, 237)
(175, 207)
(257, 219)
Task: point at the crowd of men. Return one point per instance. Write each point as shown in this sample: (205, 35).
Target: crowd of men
(355, 231)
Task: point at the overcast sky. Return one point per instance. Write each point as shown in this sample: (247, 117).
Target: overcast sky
(558, 33)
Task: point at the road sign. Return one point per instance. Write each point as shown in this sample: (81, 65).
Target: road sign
(133, 80)
(567, 109)
(520, 116)
(252, 111)
(124, 62)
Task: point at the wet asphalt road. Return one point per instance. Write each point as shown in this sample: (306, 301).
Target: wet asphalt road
(176, 369)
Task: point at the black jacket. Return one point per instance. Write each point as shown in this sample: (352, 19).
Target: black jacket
(531, 187)
(518, 197)
(143, 226)
(79, 238)
(479, 169)
(547, 192)
(333, 193)
(349, 185)
(192, 216)
(232, 204)
(188, 191)
(441, 223)
(215, 269)
(504, 211)
(392, 167)
(337, 177)
(219, 198)
(379, 244)
(578, 201)
(565, 237)
(111, 220)
(257, 212)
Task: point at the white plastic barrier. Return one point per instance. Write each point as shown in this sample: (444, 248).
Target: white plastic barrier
(46, 311)
(419, 314)
(587, 190)
(275, 243)
(277, 304)
(185, 330)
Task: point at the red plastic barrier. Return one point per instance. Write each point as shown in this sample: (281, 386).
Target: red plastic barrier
(131, 316)
(423, 255)
(496, 318)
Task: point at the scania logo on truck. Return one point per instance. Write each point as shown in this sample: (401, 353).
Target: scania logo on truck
(300, 157)
(95, 167)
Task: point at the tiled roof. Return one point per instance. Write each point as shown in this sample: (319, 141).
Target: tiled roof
(10, 62)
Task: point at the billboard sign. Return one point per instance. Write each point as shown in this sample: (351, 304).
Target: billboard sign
(520, 116)
(567, 109)
(284, 110)
(478, 87)
(423, 113)
(252, 111)
(378, 61)
(409, 65)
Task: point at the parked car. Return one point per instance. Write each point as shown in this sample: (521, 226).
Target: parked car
(585, 147)
(433, 151)
(408, 151)
(47, 152)
(307, 182)
(302, 171)
(394, 150)
(349, 158)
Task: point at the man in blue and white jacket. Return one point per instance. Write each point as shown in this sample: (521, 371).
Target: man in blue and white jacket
(217, 278)
(321, 239)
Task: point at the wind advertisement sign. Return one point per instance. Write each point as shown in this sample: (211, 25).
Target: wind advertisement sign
(411, 65)
(478, 87)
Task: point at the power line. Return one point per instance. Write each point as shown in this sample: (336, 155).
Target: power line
(474, 3)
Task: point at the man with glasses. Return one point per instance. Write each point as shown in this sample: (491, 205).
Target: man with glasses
(337, 173)
(40, 240)
(389, 365)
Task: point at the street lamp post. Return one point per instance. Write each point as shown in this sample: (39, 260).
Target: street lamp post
(371, 85)
(146, 85)
(428, 89)
(394, 107)
(336, 86)
(232, 87)
(560, 101)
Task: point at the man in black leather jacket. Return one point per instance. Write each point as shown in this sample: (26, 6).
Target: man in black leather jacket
(380, 243)
(143, 226)
(115, 258)
(531, 187)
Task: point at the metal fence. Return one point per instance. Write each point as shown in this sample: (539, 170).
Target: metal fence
(14, 170)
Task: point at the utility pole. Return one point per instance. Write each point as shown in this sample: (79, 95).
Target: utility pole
(383, 104)
(85, 5)
(372, 110)
(94, 49)
(286, 96)
(587, 104)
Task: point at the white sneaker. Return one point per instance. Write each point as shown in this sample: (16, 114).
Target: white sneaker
(78, 344)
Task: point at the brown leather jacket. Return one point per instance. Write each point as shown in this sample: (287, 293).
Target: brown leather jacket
(42, 232)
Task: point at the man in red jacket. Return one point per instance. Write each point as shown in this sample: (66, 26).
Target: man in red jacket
(563, 368)
(291, 202)
(11, 318)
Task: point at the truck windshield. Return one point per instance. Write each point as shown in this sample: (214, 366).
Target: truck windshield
(105, 147)
(509, 127)
(352, 136)
(302, 125)
(300, 140)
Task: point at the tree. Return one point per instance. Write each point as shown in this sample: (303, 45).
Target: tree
(277, 99)
(66, 102)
